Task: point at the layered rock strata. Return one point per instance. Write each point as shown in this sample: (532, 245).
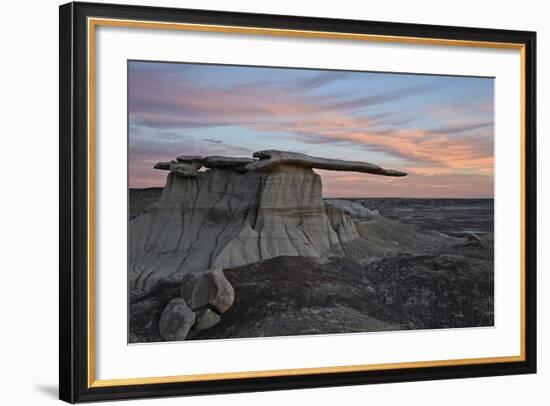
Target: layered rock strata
(223, 212)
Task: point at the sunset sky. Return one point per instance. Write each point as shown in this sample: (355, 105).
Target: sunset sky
(438, 129)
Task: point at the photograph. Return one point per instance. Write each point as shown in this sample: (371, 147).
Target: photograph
(273, 201)
(256, 200)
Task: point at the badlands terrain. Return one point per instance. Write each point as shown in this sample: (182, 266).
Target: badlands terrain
(248, 247)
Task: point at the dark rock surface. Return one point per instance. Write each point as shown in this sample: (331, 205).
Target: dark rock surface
(144, 313)
(140, 199)
(445, 215)
(281, 296)
(450, 287)
(427, 291)
(297, 295)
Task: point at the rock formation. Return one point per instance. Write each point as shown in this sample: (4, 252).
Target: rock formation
(208, 290)
(244, 247)
(355, 210)
(273, 158)
(203, 298)
(223, 212)
(206, 319)
(176, 320)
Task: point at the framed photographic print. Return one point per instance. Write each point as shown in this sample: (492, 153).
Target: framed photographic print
(255, 202)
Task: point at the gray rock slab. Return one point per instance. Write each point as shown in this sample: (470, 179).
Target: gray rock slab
(208, 290)
(224, 162)
(183, 169)
(176, 320)
(197, 290)
(225, 294)
(270, 159)
(164, 166)
(206, 319)
(190, 158)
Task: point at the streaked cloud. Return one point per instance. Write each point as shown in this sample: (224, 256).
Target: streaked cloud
(439, 129)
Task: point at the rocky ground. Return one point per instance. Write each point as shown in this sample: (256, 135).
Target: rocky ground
(416, 277)
(140, 199)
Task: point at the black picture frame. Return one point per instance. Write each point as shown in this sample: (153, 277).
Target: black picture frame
(74, 383)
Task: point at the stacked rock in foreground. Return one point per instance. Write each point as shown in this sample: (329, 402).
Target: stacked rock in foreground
(204, 297)
(236, 212)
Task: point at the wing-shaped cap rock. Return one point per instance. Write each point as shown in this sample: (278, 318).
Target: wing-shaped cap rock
(235, 163)
(190, 159)
(270, 159)
(187, 166)
(184, 169)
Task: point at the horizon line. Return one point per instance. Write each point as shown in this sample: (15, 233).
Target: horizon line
(366, 197)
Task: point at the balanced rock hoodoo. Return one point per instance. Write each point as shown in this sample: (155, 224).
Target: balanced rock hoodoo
(222, 212)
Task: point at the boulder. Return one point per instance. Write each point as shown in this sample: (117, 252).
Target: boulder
(208, 290)
(206, 318)
(197, 290)
(225, 294)
(181, 168)
(176, 320)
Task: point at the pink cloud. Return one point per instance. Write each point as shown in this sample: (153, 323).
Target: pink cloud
(453, 157)
(414, 185)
